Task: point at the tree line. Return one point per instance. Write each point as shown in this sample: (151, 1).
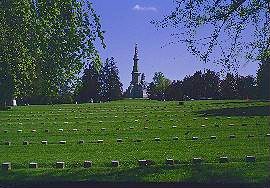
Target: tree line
(209, 85)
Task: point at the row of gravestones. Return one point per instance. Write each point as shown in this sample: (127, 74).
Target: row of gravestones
(142, 163)
(45, 142)
(103, 129)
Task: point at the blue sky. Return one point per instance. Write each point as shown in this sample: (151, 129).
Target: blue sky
(127, 22)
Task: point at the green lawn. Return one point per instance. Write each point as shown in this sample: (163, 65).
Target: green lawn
(138, 123)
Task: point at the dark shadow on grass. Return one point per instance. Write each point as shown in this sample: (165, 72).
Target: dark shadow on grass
(238, 111)
(198, 176)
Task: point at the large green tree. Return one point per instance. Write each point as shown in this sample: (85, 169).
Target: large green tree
(110, 84)
(44, 45)
(158, 87)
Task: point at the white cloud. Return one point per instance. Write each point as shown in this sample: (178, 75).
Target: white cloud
(140, 8)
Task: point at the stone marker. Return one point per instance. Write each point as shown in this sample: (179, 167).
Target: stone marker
(75, 130)
(145, 127)
(33, 131)
(268, 135)
(119, 140)
(157, 139)
(6, 166)
(44, 142)
(174, 126)
(206, 118)
(223, 160)
(213, 137)
(60, 130)
(7, 143)
(60, 165)
(115, 163)
(169, 161)
(131, 127)
(194, 118)
(14, 102)
(175, 138)
(197, 160)
(231, 124)
(25, 143)
(142, 162)
(100, 141)
(87, 164)
(250, 159)
(195, 138)
(202, 126)
(81, 142)
(232, 136)
(19, 131)
(62, 142)
(103, 129)
(33, 165)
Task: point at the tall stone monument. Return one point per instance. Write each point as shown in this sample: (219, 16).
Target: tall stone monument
(135, 90)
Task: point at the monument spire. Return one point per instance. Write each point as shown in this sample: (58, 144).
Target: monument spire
(135, 88)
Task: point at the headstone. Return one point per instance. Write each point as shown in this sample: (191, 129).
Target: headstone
(46, 130)
(81, 142)
(6, 166)
(250, 159)
(103, 129)
(142, 163)
(195, 138)
(25, 143)
(202, 126)
(174, 126)
(119, 140)
(145, 127)
(115, 163)
(62, 142)
(197, 160)
(5, 131)
(223, 159)
(100, 141)
(169, 161)
(19, 131)
(75, 130)
(44, 142)
(175, 138)
(33, 131)
(14, 102)
(87, 164)
(157, 139)
(60, 130)
(231, 124)
(213, 137)
(232, 136)
(60, 165)
(268, 134)
(8, 143)
(33, 165)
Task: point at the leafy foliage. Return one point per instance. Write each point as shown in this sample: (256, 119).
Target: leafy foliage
(209, 28)
(44, 45)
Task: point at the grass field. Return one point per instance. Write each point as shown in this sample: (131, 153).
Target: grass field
(140, 124)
